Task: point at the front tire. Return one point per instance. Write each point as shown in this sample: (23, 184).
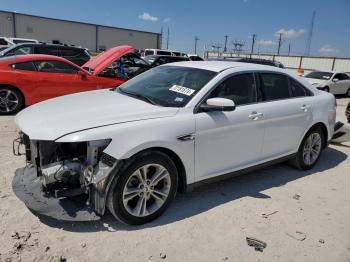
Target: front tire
(11, 101)
(326, 89)
(144, 188)
(310, 149)
(348, 92)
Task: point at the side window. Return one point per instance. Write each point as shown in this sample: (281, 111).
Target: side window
(297, 89)
(46, 50)
(26, 66)
(55, 67)
(25, 50)
(69, 52)
(344, 77)
(241, 89)
(274, 86)
(340, 77)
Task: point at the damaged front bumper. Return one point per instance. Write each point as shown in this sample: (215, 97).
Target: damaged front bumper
(72, 189)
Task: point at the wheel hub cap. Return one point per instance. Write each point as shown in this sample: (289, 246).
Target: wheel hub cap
(146, 190)
(312, 148)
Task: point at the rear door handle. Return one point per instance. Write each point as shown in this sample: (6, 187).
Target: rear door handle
(305, 108)
(255, 115)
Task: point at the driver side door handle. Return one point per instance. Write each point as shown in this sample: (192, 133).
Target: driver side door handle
(255, 116)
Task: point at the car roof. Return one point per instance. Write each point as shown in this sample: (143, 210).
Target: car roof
(218, 66)
(44, 44)
(24, 58)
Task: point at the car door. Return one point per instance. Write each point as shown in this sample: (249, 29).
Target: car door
(226, 141)
(56, 78)
(337, 84)
(287, 113)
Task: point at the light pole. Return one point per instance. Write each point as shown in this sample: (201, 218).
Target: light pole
(195, 44)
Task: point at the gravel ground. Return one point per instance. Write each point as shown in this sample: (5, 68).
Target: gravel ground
(301, 216)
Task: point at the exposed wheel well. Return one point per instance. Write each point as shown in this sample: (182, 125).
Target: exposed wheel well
(15, 88)
(324, 130)
(179, 166)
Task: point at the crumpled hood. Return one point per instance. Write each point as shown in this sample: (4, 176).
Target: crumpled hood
(315, 80)
(57, 117)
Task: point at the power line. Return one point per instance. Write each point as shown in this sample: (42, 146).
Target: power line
(309, 38)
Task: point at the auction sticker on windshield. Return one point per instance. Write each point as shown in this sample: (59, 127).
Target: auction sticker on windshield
(182, 90)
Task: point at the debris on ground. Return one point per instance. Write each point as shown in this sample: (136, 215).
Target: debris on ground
(109, 228)
(162, 255)
(256, 243)
(266, 215)
(321, 241)
(296, 197)
(47, 248)
(298, 235)
(83, 245)
(225, 259)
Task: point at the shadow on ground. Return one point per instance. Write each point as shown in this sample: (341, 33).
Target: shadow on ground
(211, 196)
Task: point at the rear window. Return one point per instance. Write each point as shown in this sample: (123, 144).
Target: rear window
(163, 53)
(71, 52)
(274, 86)
(149, 52)
(3, 42)
(26, 66)
(46, 50)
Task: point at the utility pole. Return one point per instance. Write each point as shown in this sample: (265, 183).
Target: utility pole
(167, 40)
(253, 43)
(289, 49)
(279, 43)
(195, 44)
(309, 38)
(225, 48)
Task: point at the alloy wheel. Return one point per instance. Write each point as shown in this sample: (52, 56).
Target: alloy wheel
(312, 148)
(146, 190)
(8, 101)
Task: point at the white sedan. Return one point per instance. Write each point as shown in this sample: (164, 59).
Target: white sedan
(337, 83)
(170, 129)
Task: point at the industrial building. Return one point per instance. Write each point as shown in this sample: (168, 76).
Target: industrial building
(94, 37)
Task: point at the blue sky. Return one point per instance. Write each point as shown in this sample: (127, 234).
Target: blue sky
(212, 20)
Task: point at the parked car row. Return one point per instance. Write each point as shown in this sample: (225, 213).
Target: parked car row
(29, 79)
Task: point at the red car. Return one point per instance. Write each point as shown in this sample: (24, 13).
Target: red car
(29, 79)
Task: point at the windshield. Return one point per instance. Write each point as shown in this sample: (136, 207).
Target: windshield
(149, 59)
(320, 75)
(172, 86)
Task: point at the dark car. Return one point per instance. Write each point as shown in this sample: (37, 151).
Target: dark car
(74, 54)
(155, 60)
(347, 112)
(250, 60)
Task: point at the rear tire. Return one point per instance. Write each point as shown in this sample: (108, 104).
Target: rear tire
(310, 149)
(348, 92)
(11, 101)
(143, 190)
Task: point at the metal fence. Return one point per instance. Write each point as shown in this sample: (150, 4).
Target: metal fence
(308, 63)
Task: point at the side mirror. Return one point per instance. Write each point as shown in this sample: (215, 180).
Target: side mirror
(81, 73)
(218, 104)
(335, 80)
